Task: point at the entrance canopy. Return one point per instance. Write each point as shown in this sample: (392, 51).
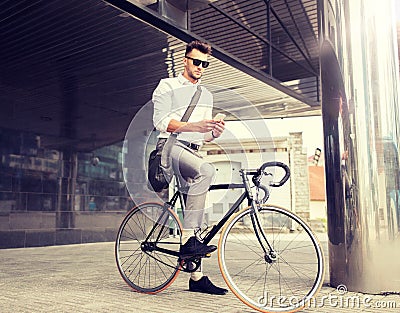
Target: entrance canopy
(76, 72)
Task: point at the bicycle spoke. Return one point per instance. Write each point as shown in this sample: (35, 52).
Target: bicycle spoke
(247, 267)
(291, 241)
(143, 230)
(139, 264)
(257, 280)
(281, 228)
(296, 267)
(293, 268)
(128, 257)
(298, 247)
(246, 242)
(265, 277)
(281, 277)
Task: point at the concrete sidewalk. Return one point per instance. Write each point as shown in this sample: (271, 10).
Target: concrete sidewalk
(84, 278)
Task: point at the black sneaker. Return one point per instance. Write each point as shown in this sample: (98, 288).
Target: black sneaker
(204, 285)
(194, 247)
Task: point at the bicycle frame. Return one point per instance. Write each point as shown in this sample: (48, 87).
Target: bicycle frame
(247, 194)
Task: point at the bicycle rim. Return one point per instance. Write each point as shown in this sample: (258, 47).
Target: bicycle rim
(148, 271)
(285, 284)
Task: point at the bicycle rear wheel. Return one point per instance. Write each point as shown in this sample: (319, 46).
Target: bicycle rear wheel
(284, 282)
(140, 262)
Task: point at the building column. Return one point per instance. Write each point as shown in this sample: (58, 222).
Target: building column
(299, 175)
(65, 215)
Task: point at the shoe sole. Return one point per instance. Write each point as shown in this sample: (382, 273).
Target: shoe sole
(209, 293)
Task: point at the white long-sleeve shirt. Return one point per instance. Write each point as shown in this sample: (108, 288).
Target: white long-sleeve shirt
(171, 98)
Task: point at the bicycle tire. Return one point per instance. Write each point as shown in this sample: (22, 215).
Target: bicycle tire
(285, 285)
(143, 270)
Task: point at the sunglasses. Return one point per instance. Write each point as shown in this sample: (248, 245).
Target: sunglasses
(197, 62)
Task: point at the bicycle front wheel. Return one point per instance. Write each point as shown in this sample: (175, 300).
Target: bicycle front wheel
(143, 247)
(284, 281)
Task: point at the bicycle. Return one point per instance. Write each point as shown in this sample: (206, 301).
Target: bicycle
(268, 256)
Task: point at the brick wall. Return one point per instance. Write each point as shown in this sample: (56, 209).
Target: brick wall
(299, 175)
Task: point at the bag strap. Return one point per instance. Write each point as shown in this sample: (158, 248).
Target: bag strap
(192, 105)
(165, 162)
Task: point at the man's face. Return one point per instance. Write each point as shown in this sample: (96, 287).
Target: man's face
(194, 72)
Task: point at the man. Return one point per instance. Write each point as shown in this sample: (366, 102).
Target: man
(171, 98)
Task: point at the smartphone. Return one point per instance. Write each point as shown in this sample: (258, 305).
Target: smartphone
(219, 116)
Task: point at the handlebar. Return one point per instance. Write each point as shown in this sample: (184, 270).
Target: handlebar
(273, 164)
(257, 177)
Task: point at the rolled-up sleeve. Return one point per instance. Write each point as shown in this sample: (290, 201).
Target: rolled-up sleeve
(162, 100)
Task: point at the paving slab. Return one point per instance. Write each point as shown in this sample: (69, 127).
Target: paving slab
(84, 278)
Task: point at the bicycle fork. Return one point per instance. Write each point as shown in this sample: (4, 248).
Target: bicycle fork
(270, 254)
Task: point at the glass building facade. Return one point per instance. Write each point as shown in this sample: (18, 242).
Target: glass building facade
(360, 109)
(52, 197)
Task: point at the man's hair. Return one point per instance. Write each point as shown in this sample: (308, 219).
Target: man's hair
(199, 45)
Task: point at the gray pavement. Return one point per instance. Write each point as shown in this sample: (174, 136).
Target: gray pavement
(84, 278)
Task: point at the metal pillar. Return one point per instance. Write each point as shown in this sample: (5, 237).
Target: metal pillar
(65, 215)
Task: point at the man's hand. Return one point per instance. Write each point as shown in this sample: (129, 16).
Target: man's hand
(212, 127)
(218, 129)
(203, 126)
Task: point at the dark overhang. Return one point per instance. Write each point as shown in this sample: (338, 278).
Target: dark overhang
(76, 72)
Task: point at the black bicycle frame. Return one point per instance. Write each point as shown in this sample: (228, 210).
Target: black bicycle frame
(216, 228)
(151, 245)
(246, 194)
(210, 235)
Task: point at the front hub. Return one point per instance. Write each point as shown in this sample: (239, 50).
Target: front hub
(271, 257)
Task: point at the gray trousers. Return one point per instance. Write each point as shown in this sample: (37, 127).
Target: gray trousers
(195, 177)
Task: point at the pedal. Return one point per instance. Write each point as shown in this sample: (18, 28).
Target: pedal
(208, 255)
(191, 264)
